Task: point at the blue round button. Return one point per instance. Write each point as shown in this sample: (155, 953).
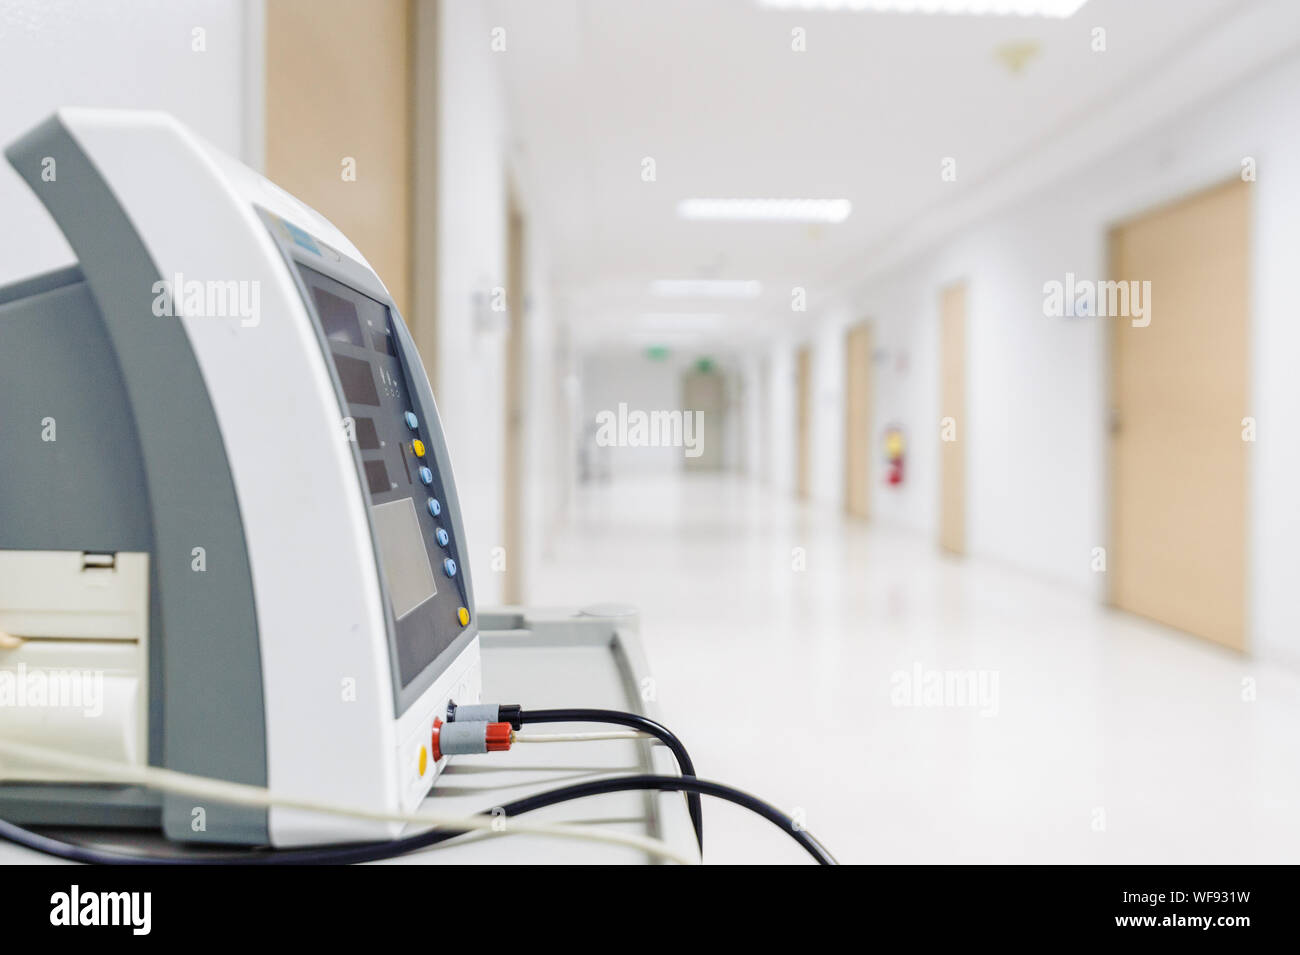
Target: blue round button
(449, 566)
(412, 421)
(443, 537)
(426, 475)
(434, 507)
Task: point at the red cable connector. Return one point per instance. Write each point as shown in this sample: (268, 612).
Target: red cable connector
(459, 738)
(499, 737)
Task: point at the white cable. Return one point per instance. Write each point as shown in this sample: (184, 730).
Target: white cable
(241, 794)
(578, 737)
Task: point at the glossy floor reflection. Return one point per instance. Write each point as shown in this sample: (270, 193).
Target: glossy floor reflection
(1041, 726)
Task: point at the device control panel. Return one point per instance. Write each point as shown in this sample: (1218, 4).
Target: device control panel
(419, 557)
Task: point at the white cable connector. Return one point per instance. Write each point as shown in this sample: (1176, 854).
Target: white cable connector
(241, 794)
(577, 737)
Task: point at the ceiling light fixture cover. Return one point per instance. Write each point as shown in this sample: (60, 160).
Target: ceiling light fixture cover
(1057, 9)
(706, 288)
(766, 210)
(692, 319)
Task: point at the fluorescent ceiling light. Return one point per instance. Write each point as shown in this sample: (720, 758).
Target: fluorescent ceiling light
(681, 318)
(667, 337)
(766, 210)
(674, 321)
(1058, 9)
(706, 288)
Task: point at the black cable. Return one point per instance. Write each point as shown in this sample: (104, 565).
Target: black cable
(637, 722)
(371, 852)
(687, 784)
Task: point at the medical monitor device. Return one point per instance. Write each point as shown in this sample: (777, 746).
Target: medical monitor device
(230, 542)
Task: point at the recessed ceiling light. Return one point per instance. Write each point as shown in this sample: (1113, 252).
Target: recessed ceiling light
(681, 336)
(706, 288)
(766, 210)
(660, 322)
(1059, 9)
(685, 319)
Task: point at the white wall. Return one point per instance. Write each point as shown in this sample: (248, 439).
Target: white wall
(471, 262)
(779, 399)
(475, 166)
(1275, 386)
(1035, 398)
(827, 419)
(750, 406)
(1037, 475)
(115, 53)
(904, 319)
(614, 375)
(547, 442)
(611, 377)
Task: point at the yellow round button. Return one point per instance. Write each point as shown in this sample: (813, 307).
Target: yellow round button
(418, 447)
(463, 616)
(424, 759)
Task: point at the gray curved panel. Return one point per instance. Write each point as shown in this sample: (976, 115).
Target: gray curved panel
(206, 656)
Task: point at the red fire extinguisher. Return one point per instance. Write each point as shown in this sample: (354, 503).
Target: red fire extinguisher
(894, 449)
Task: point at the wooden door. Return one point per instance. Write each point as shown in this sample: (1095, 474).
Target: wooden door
(858, 441)
(1180, 392)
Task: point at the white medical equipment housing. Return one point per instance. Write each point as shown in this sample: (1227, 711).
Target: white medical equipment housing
(225, 500)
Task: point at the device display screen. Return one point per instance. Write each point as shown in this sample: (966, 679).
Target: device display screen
(338, 317)
(358, 380)
(377, 478)
(410, 578)
(366, 433)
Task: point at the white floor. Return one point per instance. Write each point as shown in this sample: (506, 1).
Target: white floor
(1104, 738)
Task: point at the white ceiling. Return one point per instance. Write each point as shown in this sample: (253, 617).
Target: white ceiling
(711, 90)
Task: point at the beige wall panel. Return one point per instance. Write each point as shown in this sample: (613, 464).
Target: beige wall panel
(858, 438)
(338, 84)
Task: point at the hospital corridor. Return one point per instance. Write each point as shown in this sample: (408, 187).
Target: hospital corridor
(622, 432)
(1077, 733)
